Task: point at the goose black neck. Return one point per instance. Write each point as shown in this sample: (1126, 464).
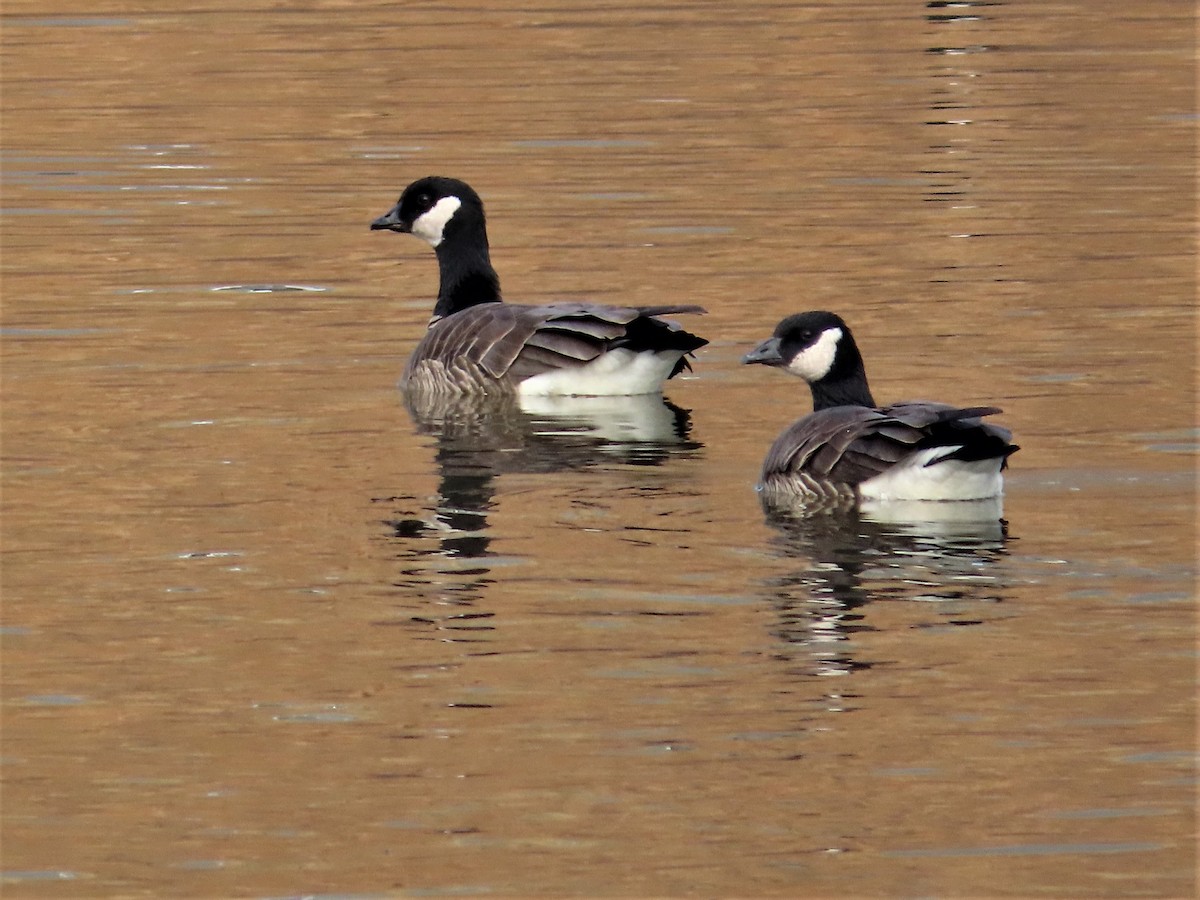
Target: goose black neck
(846, 382)
(841, 393)
(467, 276)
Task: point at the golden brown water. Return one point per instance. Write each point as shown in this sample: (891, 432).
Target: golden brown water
(267, 635)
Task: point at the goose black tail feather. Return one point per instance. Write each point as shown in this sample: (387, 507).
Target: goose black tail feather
(646, 333)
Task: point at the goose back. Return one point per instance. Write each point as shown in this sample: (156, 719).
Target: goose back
(853, 444)
(494, 346)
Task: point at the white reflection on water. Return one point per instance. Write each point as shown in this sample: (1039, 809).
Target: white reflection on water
(445, 550)
(847, 560)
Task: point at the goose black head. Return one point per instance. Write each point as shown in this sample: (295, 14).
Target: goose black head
(435, 209)
(812, 345)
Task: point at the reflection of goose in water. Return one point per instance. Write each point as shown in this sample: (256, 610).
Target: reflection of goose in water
(853, 557)
(551, 434)
(445, 548)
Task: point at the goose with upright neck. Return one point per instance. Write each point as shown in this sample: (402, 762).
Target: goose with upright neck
(849, 449)
(477, 343)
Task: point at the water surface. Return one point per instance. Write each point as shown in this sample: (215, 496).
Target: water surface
(270, 631)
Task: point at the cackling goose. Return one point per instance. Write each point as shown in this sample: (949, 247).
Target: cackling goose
(478, 344)
(850, 449)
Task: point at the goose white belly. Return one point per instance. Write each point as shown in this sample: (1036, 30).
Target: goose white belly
(619, 372)
(953, 479)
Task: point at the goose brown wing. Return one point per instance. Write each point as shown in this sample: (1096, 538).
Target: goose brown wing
(556, 337)
(844, 443)
(850, 444)
(963, 427)
(512, 342)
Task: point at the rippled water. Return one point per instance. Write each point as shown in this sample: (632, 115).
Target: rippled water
(269, 631)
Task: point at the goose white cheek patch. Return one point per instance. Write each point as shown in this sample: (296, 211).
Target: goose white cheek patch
(430, 225)
(813, 363)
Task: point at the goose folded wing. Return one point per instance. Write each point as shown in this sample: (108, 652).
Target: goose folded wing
(944, 425)
(545, 338)
(925, 413)
(850, 444)
(818, 444)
